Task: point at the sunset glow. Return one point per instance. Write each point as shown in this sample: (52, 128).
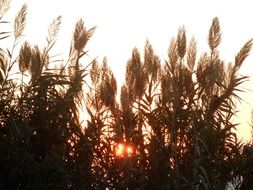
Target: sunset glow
(124, 150)
(118, 31)
(119, 150)
(126, 94)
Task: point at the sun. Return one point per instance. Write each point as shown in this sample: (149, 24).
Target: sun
(124, 150)
(120, 150)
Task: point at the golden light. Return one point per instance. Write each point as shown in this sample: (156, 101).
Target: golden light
(120, 150)
(124, 150)
(129, 150)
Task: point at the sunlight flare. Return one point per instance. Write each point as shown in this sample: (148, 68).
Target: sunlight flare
(124, 150)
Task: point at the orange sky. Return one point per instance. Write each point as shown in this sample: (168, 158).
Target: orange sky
(124, 24)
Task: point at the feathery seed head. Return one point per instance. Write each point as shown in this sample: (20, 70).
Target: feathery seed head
(151, 62)
(25, 55)
(124, 98)
(94, 73)
(135, 75)
(19, 23)
(181, 42)
(243, 53)
(214, 34)
(36, 65)
(173, 55)
(82, 35)
(54, 29)
(4, 59)
(191, 54)
(4, 6)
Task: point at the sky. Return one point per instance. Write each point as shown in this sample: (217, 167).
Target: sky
(125, 24)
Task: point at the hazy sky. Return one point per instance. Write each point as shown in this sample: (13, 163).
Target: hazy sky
(124, 24)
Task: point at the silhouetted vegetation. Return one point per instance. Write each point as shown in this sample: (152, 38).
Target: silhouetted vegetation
(175, 117)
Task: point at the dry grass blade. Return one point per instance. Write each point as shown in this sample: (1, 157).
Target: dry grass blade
(181, 42)
(214, 34)
(19, 23)
(244, 52)
(82, 35)
(4, 35)
(54, 29)
(191, 54)
(4, 6)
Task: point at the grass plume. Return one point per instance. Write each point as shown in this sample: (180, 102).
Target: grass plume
(181, 42)
(4, 7)
(54, 29)
(243, 53)
(214, 37)
(19, 23)
(191, 54)
(82, 35)
(25, 55)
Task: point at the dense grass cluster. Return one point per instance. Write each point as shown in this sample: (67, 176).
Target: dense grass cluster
(175, 115)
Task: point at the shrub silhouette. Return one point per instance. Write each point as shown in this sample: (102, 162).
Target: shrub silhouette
(175, 116)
